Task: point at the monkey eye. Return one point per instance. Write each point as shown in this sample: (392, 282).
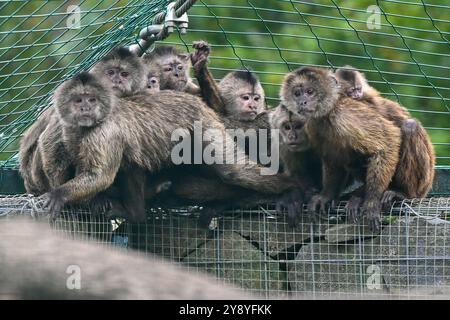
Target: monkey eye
(287, 126)
(297, 93)
(298, 126)
(167, 69)
(256, 98)
(153, 81)
(110, 72)
(92, 100)
(310, 91)
(78, 100)
(246, 97)
(124, 74)
(180, 67)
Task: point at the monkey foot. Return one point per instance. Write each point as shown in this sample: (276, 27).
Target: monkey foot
(353, 208)
(388, 199)
(318, 205)
(293, 202)
(53, 202)
(372, 211)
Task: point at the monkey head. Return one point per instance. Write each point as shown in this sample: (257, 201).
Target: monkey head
(83, 101)
(243, 95)
(173, 66)
(153, 77)
(291, 126)
(126, 71)
(310, 91)
(353, 83)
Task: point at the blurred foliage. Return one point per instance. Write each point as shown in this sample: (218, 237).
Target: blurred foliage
(407, 59)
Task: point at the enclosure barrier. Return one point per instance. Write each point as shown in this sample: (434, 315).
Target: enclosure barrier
(256, 250)
(401, 46)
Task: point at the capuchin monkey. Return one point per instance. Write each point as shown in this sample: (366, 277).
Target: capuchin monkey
(415, 170)
(126, 71)
(128, 75)
(47, 270)
(173, 67)
(240, 99)
(298, 159)
(351, 138)
(102, 134)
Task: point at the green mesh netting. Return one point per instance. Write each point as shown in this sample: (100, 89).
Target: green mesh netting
(406, 56)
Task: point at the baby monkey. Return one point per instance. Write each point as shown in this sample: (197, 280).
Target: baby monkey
(415, 169)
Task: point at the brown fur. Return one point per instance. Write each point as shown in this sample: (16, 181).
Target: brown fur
(138, 133)
(350, 137)
(43, 271)
(119, 59)
(415, 172)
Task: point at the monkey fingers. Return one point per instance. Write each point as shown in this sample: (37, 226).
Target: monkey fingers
(371, 209)
(319, 204)
(388, 199)
(293, 203)
(353, 208)
(53, 202)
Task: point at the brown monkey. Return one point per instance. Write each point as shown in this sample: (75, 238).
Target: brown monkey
(350, 137)
(103, 135)
(415, 171)
(173, 67)
(126, 71)
(297, 157)
(128, 75)
(45, 271)
(239, 95)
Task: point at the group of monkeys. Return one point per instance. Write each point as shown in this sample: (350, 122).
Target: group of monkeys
(107, 138)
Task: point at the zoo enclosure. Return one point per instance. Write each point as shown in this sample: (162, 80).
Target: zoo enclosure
(405, 56)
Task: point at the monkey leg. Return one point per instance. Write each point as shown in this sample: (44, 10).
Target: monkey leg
(131, 183)
(334, 178)
(380, 170)
(293, 203)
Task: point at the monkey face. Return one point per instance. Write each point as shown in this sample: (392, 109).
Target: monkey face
(125, 71)
(174, 73)
(355, 92)
(305, 97)
(246, 106)
(85, 110)
(153, 83)
(293, 135)
(83, 101)
(120, 79)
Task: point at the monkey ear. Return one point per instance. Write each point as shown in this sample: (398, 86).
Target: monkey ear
(183, 56)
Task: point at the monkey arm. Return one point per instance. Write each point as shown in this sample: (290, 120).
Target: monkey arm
(209, 90)
(192, 88)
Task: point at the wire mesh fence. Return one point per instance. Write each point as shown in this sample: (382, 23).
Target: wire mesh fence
(401, 46)
(256, 250)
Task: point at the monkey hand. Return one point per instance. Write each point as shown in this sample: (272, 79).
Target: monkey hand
(371, 209)
(388, 199)
(292, 201)
(353, 208)
(199, 59)
(319, 204)
(53, 201)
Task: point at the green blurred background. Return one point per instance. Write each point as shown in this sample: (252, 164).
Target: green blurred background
(406, 58)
